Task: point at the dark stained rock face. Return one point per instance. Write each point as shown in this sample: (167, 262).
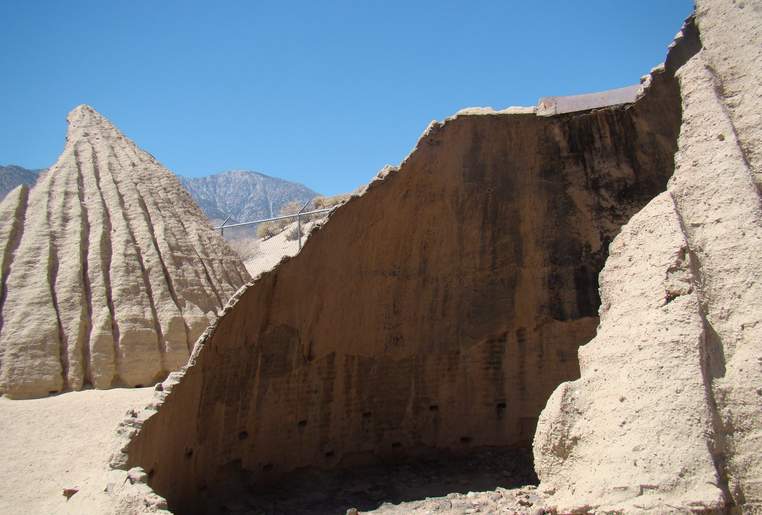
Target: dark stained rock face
(437, 310)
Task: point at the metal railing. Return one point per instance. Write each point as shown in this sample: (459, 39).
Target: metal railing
(299, 214)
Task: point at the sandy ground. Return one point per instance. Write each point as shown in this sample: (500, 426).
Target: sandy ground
(272, 250)
(58, 442)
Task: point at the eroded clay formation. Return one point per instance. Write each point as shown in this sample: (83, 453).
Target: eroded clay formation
(438, 310)
(109, 270)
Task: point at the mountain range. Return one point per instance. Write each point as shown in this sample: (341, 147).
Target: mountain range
(244, 195)
(12, 175)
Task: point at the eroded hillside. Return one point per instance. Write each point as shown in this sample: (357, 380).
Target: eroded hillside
(109, 270)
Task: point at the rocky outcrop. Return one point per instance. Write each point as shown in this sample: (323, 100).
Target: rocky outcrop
(666, 415)
(437, 310)
(110, 271)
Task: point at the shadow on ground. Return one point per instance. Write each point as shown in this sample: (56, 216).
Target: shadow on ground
(315, 491)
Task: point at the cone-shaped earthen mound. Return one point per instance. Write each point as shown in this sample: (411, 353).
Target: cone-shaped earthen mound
(109, 270)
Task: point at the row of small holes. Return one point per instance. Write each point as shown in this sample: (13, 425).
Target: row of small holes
(330, 454)
(433, 407)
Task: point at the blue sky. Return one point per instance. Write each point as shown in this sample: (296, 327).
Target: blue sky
(323, 93)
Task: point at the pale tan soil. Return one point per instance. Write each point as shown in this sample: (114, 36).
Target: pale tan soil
(272, 250)
(58, 442)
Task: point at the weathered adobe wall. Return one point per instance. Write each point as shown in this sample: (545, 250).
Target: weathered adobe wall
(437, 310)
(110, 272)
(666, 416)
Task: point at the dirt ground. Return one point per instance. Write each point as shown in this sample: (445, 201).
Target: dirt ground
(58, 442)
(272, 250)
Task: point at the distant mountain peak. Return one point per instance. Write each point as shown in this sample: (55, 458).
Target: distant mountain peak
(13, 175)
(244, 195)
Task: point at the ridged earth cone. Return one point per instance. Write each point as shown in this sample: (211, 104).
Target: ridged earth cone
(109, 270)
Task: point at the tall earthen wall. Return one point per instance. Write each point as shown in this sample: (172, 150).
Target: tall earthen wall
(438, 309)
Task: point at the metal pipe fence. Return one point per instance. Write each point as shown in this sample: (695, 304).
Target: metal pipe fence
(298, 216)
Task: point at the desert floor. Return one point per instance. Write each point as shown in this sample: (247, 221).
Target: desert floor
(58, 442)
(272, 250)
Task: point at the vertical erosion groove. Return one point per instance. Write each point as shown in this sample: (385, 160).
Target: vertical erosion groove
(240, 277)
(84, 248)
(139, 255)
(179, 218)
(105, 252)
(9, 252)
(712, 365)
(167, 276)
(719, 90)
(73, 310)
(209, 279)
(52, 276)
(207, 276)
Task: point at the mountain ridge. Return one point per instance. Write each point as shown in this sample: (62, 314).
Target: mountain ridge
(13, 175)
(244, 194)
